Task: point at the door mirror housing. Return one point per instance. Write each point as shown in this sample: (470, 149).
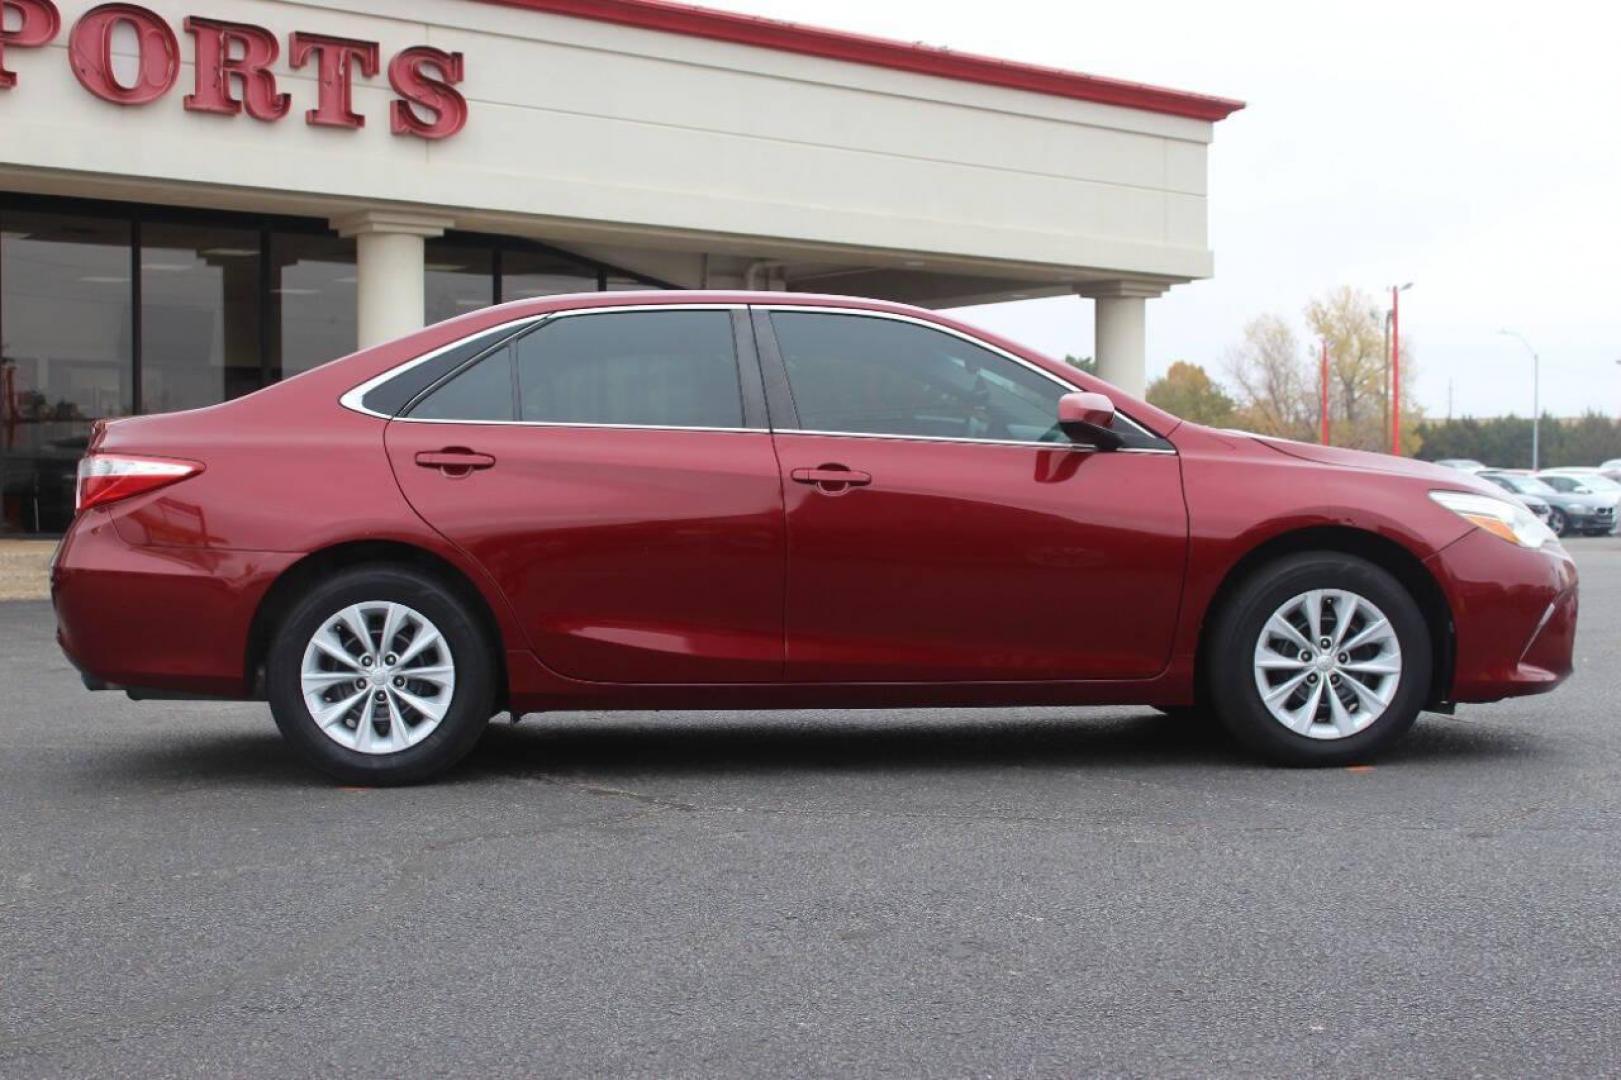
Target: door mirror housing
(1088, 418)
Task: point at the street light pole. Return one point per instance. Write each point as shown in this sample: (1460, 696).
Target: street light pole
(1536, 397)
(1384, 377)
(1395, 366)
(1323, 436)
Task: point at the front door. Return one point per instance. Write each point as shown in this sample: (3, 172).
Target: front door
(941, 527)
(604, 470)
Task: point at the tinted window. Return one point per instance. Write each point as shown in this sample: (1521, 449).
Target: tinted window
(850, 373)
(650, 368)
(390, 397)
(481, 392)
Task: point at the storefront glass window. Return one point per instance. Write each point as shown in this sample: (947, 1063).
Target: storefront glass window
(200, 324)
(624, 283)
(460, 278)
(311, 302)
(66, 349)
(108, 309)
(526, 274)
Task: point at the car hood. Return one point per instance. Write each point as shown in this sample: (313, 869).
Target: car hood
(1344, 458)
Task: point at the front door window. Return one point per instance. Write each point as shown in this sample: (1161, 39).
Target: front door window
(863, 375)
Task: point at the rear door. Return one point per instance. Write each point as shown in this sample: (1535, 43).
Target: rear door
(941, 527)
(612, 472)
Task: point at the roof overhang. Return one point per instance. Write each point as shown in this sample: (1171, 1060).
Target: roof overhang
(919, 59)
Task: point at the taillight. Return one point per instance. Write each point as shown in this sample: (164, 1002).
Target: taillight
(105, 478)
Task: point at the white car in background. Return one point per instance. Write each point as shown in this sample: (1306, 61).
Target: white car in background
(1582, 482)
(1468, 465)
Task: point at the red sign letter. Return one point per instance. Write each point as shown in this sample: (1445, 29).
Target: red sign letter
(90, 52)
(257, 50)
(333, 56)
(35, 23)
(409, 75)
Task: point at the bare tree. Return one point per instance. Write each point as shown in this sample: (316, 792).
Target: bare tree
(1279, 383)
(1352, 323)
(1268, 368)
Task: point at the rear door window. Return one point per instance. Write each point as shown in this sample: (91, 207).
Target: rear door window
(665, 369)
(675, 369)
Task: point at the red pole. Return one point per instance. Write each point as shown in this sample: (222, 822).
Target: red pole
(1323, 438)
(1395, 371)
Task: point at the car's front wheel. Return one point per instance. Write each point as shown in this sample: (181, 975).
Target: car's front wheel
(381, 675)
(1319, 659)
(1558, 522)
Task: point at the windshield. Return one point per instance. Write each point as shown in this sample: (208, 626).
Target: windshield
(1526, 485)
(1598, 483)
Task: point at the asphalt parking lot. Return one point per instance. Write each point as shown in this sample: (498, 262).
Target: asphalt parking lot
(966, 893)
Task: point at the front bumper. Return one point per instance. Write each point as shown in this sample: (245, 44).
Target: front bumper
(1514, 616)
(159, 618)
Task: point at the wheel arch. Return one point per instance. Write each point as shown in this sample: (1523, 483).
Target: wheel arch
(285, 590)
(1387, 554)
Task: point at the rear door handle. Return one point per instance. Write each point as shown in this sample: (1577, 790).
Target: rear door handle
(454, 460)
(832, 479)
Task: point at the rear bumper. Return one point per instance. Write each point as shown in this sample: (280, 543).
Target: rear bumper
(161, 619)
(1514, 616)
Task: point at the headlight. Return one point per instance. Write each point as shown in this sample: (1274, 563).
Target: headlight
(1510, 521)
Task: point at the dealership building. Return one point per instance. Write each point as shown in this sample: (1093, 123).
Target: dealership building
(200, 197)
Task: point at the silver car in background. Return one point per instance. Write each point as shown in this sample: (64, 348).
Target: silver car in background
(1571, 513)
(1583, 482)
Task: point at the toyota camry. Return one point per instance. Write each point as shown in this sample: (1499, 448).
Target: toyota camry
(768, 501)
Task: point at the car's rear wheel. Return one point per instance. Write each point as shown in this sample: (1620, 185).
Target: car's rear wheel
(381, 675)
(1558, 522)
(1319, 659)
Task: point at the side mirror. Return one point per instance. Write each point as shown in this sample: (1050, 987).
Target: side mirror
(1088, 418)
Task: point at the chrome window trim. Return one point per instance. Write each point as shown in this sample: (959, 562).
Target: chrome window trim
(972, 340)
(351, 399)
(1026, 444)
(574, 424)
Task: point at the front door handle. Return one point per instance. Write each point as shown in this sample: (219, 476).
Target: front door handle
(454, 461)
(832, 479)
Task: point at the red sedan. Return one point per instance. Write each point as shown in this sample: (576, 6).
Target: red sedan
(769, 500)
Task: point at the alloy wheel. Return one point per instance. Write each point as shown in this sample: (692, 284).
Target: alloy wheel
(1327, 664)
(377, 677)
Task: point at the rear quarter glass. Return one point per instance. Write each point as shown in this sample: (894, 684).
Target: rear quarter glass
(390, 397)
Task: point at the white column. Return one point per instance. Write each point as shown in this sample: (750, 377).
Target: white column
(390, 258)
(1121, 331)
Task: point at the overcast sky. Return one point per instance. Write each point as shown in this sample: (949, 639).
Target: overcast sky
(1471, 148)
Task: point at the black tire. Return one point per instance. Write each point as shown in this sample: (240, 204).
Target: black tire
(1238, 627)
(471, 700)
(1558, 522)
